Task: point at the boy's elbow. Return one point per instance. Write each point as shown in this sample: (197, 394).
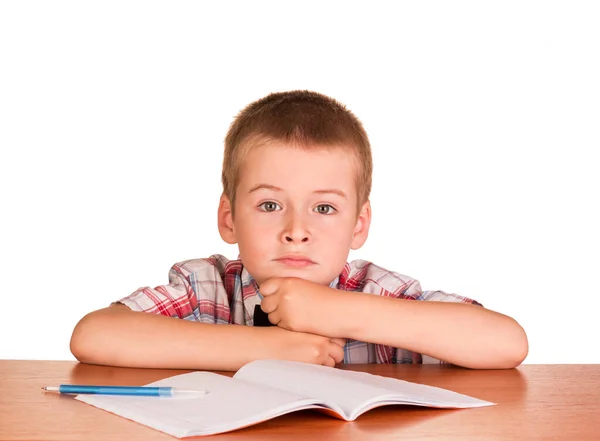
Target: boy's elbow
(77, 349)
(519, 349)
(89, 336)
(523, 350)
(79, 344)
(507, 353)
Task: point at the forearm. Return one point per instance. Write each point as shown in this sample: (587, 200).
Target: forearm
(117, 336)
(461, 334)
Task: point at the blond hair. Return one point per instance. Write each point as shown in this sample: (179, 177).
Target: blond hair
(300, 118)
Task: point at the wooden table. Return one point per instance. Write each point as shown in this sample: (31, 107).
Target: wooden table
(535, 402)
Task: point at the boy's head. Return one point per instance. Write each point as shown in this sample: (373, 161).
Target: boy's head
(296, 181)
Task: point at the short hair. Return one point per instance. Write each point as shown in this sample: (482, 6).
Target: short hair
(300, 118)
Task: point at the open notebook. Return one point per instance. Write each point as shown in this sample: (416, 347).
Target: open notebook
(265, 389)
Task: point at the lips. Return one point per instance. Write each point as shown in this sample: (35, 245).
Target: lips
(295, 260)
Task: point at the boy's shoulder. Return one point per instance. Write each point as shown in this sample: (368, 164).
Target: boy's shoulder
(365, 276)
(208, 267)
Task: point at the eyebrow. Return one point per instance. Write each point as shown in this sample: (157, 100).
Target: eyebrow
(275, 188)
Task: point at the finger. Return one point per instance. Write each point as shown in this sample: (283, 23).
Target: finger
(338, 356)
(269, 287)
(337, 353)
(269, 304)
(275, 317)
(329, 362)
(338, 341)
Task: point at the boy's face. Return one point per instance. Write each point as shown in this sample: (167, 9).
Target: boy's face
(295, 213)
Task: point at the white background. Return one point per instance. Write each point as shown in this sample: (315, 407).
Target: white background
(484, 120)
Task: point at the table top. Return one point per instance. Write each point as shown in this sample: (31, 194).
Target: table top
(534, 402)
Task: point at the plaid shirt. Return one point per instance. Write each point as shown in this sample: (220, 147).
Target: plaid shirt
(221, 291)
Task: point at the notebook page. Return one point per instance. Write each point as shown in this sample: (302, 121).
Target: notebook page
(414, 393)
(354, 392)
(229, 405)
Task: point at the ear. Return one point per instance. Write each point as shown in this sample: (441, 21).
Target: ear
(361, 230)
(225, 220)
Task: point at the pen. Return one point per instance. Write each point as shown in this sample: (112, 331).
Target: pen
(139, 391)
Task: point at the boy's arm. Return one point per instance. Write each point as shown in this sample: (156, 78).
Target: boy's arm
(462, 334)
(458, 333)
(118, 336)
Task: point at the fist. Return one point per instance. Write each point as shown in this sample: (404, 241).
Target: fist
(299, 305)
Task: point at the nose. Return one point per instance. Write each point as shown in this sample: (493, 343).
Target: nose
(296, 230)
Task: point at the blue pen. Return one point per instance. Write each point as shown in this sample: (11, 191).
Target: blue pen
(138, 391)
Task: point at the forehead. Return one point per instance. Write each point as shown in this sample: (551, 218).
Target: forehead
(283, 165)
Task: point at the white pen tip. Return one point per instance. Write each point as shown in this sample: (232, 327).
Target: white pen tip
(50, 389)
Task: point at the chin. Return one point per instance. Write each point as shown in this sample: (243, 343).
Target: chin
(310, 274)
(303, 273)
(300, 273)
(315, 278)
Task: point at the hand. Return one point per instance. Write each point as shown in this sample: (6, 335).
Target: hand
(307, 348)
(302, 306)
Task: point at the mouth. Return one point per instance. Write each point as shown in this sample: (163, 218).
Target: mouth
(295, 261)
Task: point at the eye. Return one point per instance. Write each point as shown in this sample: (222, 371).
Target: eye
(325, 209)
(269, 206)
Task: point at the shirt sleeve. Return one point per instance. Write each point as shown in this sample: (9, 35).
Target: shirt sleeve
(196, 291)
(176, 299)
(441, 296)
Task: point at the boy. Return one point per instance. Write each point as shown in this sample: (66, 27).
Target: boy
(296, 183)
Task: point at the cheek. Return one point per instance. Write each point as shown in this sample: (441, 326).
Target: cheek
(255, 235)
(340, 228)
(337, 241)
